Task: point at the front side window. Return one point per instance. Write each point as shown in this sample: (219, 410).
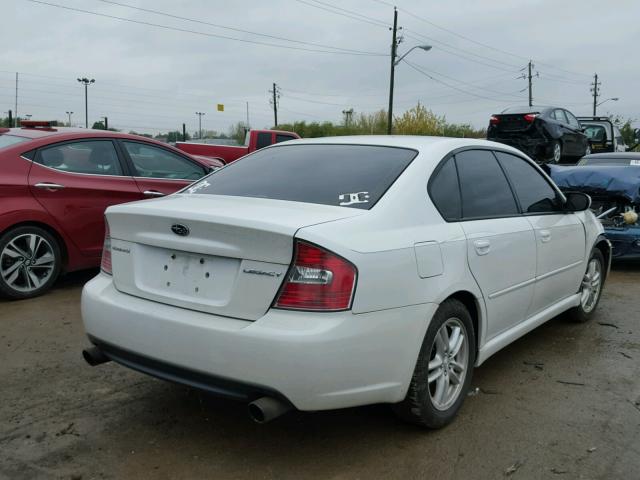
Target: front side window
(150, 161)
(354, 176)
(484, 188)
(95, 157)
(533, 191)
(263, 140)
(445, 191)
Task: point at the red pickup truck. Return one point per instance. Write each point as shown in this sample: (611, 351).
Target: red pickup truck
(254, 140)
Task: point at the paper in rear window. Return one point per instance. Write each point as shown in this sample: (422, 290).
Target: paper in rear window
(354, 176)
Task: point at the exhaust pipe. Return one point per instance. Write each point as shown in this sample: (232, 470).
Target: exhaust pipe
(94, 356)
(266, 409)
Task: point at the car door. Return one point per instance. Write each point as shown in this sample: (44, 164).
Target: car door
(501, 248)
(75, 182)
(159, 171)
(560, 235)
(567, 138)
(580, 140)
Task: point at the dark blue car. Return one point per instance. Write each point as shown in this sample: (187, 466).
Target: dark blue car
(613, 182)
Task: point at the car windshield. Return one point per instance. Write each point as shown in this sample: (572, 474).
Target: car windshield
(8, 140)
(595, 133)
(354, 176)
(609, 161)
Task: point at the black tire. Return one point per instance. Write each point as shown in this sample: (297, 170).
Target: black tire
(553, 158)
(46, 272)
(418, 407)
(581, 313)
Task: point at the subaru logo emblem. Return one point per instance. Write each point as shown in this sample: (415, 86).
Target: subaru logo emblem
(180, 229)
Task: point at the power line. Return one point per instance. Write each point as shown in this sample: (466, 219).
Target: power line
(202, 22)
(205, 34)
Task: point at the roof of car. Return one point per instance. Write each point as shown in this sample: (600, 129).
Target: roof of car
(436, 145)
(36, 133)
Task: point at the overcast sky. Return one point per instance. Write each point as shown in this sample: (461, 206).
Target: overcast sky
(150, 78)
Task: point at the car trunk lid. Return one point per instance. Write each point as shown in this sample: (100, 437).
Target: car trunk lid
(217, 254)
(507, 123)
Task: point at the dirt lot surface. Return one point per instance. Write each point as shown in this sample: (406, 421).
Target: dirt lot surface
(562, 402)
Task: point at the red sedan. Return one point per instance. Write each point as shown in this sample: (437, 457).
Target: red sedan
(55, 184)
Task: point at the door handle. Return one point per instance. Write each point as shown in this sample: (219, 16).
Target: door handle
(49, 186)
(153, 193)
(545, 236)
(482, 246)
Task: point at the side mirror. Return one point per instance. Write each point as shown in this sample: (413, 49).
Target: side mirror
(577, 201)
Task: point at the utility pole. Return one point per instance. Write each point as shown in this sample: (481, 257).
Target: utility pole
(348, 114)
(69, 115)
(184, 132)
(106, 123)
(394, 47)
(200, 114)
(247, 114)
(86, 82)
(595, 88)
(10, 118)
(276, 95)
(16, 110)
(530, 86)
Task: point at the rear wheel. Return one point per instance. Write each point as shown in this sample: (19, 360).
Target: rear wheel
(30, 262)
(590, 288)
(444, 369)
(556, 152)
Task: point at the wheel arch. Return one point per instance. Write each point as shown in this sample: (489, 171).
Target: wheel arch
(471, 303)
(605, 248)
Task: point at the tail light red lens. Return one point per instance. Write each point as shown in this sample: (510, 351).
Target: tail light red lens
(318, 280)
(494, 120)
(530, 117)
(105, 263)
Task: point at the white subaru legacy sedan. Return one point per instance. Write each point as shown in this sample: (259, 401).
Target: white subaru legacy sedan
(329, 273)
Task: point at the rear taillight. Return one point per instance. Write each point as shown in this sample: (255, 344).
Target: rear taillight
(318, 280)
(494, 120)
(105, 264)
(530, 117)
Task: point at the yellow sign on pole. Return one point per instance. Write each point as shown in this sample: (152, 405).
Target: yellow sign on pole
(220, 107)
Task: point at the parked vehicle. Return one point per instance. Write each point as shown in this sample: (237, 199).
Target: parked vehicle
(55, 184)
(603, 135)
(613, 182)
(546, 134)
(620, 158)
(254, 140)
(330, 273)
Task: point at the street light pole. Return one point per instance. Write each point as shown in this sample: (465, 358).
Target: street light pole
(86, 82)
(613, 99)
(200, 114)
(69, 114)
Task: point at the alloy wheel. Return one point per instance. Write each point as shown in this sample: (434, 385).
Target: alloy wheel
(27, 262)
(557, 153)
(448, 364)
(591, 284)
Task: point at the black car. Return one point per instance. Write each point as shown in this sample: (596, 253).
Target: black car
(546, 134)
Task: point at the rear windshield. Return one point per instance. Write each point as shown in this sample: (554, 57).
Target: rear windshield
(533, 109)
(8, 140)
(354, 176)
(609, 161)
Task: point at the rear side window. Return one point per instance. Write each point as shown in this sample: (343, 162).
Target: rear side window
(533, 191)
(8, 140)
(484, 188)
(283, 138)
(97, 157)
(263, 140)
(355, 176)
(445, 191)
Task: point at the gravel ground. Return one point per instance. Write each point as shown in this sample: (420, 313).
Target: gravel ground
(562, 402)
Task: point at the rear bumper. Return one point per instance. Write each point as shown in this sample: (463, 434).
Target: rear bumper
(315, 361)
(537, 148)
